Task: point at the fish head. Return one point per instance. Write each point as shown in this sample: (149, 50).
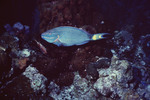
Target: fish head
(49, 37)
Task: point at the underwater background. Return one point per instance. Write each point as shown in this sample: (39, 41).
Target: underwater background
(115, 68)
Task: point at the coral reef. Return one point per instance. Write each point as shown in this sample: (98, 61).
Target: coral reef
(37, 80)
(70, 13)
(65, 79)
(113, 81)
(91, 69)
(124, 46)
(137, 55)
(17, 29)
(144, 43)
(80, 89)
(17, 88)
(83, 56)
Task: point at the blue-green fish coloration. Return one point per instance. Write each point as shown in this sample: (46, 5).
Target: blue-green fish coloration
(69, 36)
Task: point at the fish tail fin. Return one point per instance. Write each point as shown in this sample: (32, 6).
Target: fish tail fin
(99, 36)
(104, 35)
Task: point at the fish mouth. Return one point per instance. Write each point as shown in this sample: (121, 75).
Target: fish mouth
(42, 36)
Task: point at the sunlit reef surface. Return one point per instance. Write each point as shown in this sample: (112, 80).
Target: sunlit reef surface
(115, 68)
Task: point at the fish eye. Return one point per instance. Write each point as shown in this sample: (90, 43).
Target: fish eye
(50, 33)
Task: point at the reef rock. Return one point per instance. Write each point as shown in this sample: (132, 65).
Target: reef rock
(81, 89)
(112, 80)
(37, 80)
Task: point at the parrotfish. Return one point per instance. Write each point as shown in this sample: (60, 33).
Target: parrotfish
(69, 36)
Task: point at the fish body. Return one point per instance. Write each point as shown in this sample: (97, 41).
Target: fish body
(69, 36)
(42, 48)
